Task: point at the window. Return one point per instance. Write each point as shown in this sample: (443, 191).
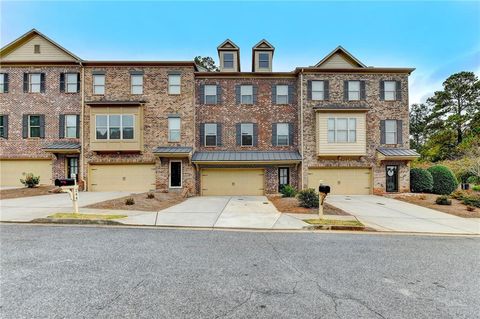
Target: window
(247, 134)
(283, 177)
(174, 129)
(263, 61)
(318, 92)
(34, 126)
(72, 85)
(282, 134)
(228, 60)
(99, 84)
(34, 82)
(353, 90)
(210, 134)
(137, 83)
(2, 82)
(342, 130)
(210, 94)
(246, 94)
(282, 94)
(36, 48)
(71, 126)
(2, 126)
(174, 84)
(390, 132)
(390, 90)
(72, 167)
(114, 127)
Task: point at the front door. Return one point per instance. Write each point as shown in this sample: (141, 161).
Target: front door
(392, 178)
(175, 174)
(283, 177)
(72, 167)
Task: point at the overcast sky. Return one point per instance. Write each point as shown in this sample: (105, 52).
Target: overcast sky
(436, 38)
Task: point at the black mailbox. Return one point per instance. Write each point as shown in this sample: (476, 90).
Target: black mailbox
(324, 189)
(65, 182)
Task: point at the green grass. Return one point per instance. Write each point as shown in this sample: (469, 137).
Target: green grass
(333, 222)
(85, 216)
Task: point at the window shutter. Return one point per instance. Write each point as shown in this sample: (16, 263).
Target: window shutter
(202, 134)
(25, 126)
(290, 133)
(42, 82)
(382, 90)
(42, 126)
(274, 134)
(78, 82)
(345, 90)
(239, 133)
(237, 94)
(399, 90)
(362, 91)
(326, 90)
(5, 82)
(201, 94)
(382, 132)
(290, 93)
(62, 82)
(255, 134)
(309, 89)
(78, 126)
(25, 82)
(5, 126)
(274, 94)
(399, 132)
(255, 93)
(219, 134)
(219, 94)
(61, 126)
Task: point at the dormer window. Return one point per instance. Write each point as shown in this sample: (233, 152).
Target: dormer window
(228, 60)
(36, 49)
(263, 61)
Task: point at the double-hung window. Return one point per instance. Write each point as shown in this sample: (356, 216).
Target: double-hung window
(390, 132)
(2, 126)
(318, 90)
(2, 82)
(71, 82)
(210, 134)
(99, 84)
(282, 134)
(353, 90)
(34, 82)
(342, 130)
(246, 94)
(228, 60)
(34, 126)
(136, 82)
(114, 127)
(263, 61)
(210, 94)
(174, 129)
(174, 81)
(282, 94)
(71, 126)
(247, 134)
(390, 92)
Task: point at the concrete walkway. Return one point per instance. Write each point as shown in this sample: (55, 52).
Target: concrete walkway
(386, 214)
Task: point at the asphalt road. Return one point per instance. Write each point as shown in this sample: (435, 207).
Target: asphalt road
(90, 272)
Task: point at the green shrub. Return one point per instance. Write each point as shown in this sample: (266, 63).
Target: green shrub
(444, 182)
(420, 180)
(129, 201)
(308, 198)
(473, 180)
(476, 188)
(459, 194)
(471, 200)
(288, 191)
(30, 180)
(443, 200)
(150, 195)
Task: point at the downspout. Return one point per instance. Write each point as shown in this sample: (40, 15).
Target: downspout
(301, 127)
(82, 125)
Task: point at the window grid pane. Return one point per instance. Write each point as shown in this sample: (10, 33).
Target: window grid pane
(353, 90)
(210, 94)
(318, 90)
(174, 84)
(99, 84)
(71, 79)
(34, 126)
(174, 129)
(228, 60)
(342, 130)
(35, 83)
(70, 126)
(247, 134)
(263, 60)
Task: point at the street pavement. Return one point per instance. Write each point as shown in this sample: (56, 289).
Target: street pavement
(117, 272)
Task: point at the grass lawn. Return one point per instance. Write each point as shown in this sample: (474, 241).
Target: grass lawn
(333, 222)
(85, 216)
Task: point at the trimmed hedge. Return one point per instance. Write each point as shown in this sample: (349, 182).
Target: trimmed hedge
(444, 182)
(420, 180)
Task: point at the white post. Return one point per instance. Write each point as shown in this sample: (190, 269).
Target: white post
(74, 195)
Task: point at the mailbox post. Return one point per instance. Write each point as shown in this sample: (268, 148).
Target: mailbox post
(69, 185)
(323, 191)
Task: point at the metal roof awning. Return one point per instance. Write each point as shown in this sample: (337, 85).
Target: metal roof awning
(398, 154)
(63, 147)
(246, 157)
(341, 107)
(122, 103)
(173, 151)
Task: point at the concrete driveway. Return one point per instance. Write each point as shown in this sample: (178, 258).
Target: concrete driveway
(386, 214)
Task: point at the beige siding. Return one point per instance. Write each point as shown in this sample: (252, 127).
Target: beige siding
(48, 52)
(13, 170)
(124, 177)
(342, 181)
(337, 61)
(232, 182)
(335, 149)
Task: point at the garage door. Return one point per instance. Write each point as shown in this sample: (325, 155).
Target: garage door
(13, 170)
(125, 177)
(232, 181)
(343, 181)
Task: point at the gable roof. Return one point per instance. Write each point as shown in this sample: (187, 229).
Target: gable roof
(17, 43)
(263, 45)
(345, 54)
(228, 45)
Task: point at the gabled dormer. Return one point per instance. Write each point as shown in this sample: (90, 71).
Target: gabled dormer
(262, 56)
(340, 58)
(229, 55)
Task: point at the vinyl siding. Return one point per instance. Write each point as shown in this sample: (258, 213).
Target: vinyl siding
(48, 52)
(337, 61)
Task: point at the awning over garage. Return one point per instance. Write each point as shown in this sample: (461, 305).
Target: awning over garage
(246, 157)
(396, 154)
(63, 147)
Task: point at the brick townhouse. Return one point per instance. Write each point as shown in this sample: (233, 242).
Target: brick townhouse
(171, 126)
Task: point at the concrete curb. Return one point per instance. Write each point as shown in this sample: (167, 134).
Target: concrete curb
(74, 221)
(339, 227)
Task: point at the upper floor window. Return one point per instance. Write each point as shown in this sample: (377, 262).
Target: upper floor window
(99, 84)
(34, 126)
(174, 129)
(210, 94)
(390, 90)
(114, 127)
(246, 94)
(353, 90)
(282, 94)
(390, 132)
(246, 130)
(3, 82)
(174, 84)
(318, 90)
(342, 130)
(71, 126)
(136, 83)
(36, 48)
(2, 126)
(34, 82)
(263, 60)
(228, 60)
(282, 134)
(210, 134)
(71, 82)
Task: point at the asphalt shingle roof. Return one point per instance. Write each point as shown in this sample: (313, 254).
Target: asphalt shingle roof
(397, 152)
(245, 156)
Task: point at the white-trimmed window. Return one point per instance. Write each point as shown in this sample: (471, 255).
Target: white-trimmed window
(210, 134)
(174, 129)
(2, 82)
(353, 90)
(71, 126)
(71, 82)
(34, 126)
(34, 82)
(174, 83)
(390, 92)
(99, 84)
(246, 94)
(318, 90)
(390, 132)
(210, 94)
(247, 134)
(263, 60)
(282, 94)
(114, 127)
(282, 134)
(228, 60)
(136, 82)
(342, 130)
